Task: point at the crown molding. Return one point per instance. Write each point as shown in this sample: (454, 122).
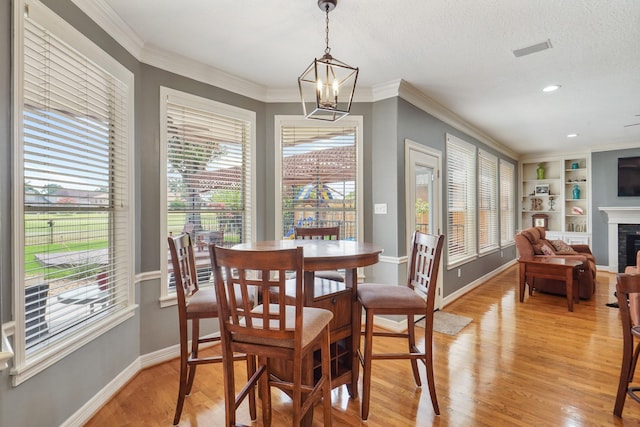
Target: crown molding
(417, 98)
(387, 90)
(204, 73)
(612, 147)
(103, 15)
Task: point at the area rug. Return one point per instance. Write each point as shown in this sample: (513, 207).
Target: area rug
(447, 323)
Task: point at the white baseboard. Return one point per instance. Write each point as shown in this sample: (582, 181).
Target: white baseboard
(471, 286)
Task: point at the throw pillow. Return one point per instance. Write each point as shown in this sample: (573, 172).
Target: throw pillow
(547, 250)
(562, 248)
(537, 248)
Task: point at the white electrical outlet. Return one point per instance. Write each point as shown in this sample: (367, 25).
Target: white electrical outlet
(380, 208)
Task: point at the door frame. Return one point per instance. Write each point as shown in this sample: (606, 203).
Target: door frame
(416, 153)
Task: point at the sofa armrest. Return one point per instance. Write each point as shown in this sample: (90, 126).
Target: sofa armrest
(581, 248)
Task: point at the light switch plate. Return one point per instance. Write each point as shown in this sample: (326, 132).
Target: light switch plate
(380, 208)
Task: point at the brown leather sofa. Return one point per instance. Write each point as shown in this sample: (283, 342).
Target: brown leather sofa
(532, 243)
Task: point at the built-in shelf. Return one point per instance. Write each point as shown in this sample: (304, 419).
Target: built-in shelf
(552, 194)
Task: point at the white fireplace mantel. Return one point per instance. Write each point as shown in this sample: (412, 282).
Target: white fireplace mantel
(618, 215)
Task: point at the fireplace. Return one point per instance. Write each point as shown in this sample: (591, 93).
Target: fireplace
(628, 245)
(623, 221)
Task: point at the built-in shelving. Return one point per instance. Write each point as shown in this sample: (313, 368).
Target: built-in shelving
(551, 193)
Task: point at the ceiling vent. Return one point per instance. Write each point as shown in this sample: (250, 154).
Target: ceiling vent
(532, 49)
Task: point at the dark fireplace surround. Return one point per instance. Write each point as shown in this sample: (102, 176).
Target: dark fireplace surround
(628, 245)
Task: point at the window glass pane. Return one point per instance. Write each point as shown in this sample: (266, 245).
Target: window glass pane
(319, 178)
(507, 223)
(76, 228)
(487, 201)
(208, 176)
(461, 194)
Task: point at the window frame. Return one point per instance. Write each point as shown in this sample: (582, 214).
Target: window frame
(292, 121)
(37, 361)
(167, 297)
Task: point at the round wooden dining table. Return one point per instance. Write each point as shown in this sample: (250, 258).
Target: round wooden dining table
(339, 298)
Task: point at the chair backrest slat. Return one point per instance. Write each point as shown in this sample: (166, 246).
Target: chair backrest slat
(318, 233)
(424, 264)
(184, 267)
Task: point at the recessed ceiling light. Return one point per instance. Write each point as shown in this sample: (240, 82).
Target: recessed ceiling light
(551, 88)
(572, 135)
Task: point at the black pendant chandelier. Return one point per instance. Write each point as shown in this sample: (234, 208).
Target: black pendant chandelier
(327, 85)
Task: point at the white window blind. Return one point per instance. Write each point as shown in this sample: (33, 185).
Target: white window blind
(461, 203)
(507, 226)
(76, 262)
(208, 174)
(487, 201)
(319, 182)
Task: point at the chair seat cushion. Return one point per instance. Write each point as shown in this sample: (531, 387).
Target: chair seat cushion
(330, 275)
(334, 275)
(203, 302)
(379, 296)
(314, 320)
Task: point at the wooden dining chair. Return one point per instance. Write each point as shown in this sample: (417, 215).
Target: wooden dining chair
(193, 304)
(414, 300)
(321, 233)
(272, 331)
(628, 294)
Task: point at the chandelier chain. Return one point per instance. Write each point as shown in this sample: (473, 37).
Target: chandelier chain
(327, 49)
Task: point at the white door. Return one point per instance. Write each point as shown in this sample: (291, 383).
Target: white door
(423, 195)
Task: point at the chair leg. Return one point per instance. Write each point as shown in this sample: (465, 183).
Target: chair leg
(184, 369)
(251, 369)
(195, 337)
(366, 368)
(428, 349)
(326, 372)
(229, 387)
(297, 392)
(411, 333)
(623, 384)
(634, 362)
(265, 392)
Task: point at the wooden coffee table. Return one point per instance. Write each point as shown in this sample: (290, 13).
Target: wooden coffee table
(550, 268)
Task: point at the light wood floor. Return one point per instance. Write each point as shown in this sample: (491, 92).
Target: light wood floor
(529, 364)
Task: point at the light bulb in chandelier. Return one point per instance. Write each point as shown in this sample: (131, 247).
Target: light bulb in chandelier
(328, 93)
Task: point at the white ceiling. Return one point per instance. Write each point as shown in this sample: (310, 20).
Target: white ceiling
(458, 53)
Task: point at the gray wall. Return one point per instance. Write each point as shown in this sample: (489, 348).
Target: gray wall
(419, 126)
(604, 185)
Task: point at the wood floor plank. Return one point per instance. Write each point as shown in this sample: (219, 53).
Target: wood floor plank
(516, 364)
